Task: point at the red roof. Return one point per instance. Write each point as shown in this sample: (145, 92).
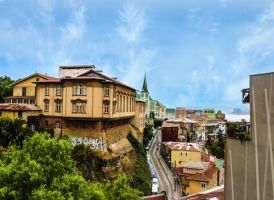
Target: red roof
(14, 107)
(20, 97)
(156, 197)
(205, 176)
(180, 111)
(207, 196)
(205, 157)
(193, 111)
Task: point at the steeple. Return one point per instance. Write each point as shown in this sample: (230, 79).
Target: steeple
(144, 89)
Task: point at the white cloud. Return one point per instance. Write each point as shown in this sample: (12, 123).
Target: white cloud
(132, 22)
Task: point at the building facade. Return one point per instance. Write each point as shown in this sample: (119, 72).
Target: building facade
(154, 108)
(249, 163)
(82, 103)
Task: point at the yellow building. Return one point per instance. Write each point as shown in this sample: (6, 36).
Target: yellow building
(138, 122)
(197, 176)
(209, 113)
(22, 104)
(86, 104)
(177, 153)
(93, 108)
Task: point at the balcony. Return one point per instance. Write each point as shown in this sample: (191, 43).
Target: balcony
(238, 130)
(246, 95)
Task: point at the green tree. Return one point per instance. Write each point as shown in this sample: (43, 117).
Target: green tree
(120, 190)
(13, 132)
(5, 87)
(148, 134)
(43, 169)
(142, 177)
(158, 122)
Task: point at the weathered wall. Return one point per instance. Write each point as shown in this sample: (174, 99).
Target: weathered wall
(249, 167)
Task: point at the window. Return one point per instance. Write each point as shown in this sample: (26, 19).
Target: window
(114, 108)
(114, 92)
(106, 108)
(24, 91)
(37, 79)
(57, 124)
(79, 107)
(20, 114)
(46, 105)
(79, 90)
(46, 90)
(58, 105)
(59, 91)
(106, 91)
(46, 123)
(186, 154)
(203, 185)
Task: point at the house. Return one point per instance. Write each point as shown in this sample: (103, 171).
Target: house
(180, 113)
(170, 113)
(197, 176)
(22, 104)
(82, 102)
(209, 113)
(176, 153)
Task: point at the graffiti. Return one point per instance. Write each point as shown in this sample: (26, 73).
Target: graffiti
(93, 143)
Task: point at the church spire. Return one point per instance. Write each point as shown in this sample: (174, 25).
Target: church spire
(144, 89)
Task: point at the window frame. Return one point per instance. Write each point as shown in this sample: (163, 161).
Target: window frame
(58, 90)
(47, 90)
(106, 91)
(24, 91)
(106, 108)
(58, 104)
(46, 105)
(79, 90)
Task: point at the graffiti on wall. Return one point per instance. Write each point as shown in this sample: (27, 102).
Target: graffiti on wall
(93, 143)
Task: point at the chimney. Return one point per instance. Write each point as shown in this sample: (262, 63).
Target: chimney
(74, 71)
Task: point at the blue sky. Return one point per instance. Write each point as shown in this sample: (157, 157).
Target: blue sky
(197, 53)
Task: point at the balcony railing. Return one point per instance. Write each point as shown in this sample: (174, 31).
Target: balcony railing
(239, 131)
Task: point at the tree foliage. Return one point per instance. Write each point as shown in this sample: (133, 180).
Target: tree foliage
(43, 169)
(13, 132)
(216, 148)
(158, 122)
(148, 134)
(5, 87)
(141, 177)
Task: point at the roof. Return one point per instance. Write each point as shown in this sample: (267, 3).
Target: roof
(180, 111)
(93, 74)
(195, 165)
(155, 197)
(183, 146)
(206, 175)
(20, 97)
(184, 120)
(36, 74)
(144, 88)
(18, 107)
(189, 111)
(77, 67)
(170, 110)
(210, 195)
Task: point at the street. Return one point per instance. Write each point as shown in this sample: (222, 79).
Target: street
(164, 175)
